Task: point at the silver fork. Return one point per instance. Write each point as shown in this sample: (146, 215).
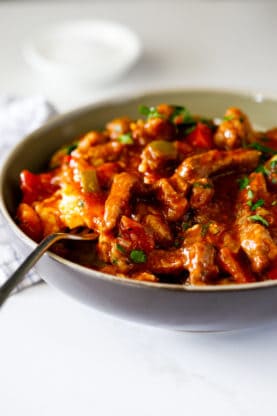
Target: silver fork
(18, 276)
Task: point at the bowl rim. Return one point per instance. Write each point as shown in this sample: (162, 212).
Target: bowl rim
(55, 120)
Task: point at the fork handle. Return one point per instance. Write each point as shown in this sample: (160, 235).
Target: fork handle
(18, 276)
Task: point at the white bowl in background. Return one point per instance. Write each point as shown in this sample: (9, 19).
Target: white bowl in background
(83, 51)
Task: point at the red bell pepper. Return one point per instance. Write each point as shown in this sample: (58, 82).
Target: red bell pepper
(201, 137)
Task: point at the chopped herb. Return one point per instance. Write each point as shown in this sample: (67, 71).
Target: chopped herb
(273, 203)
(202, 185)
(149, 112)
(207, 121)
(205, 229)
(144, 110)
(190, 129)
(70, 148)
(228, 118)
(125, 138)
(262, 169)
(138, 256)
(249, 203)
(185, 226)
(262, 148)
(257, 204)
(182, 114)
(114, 261)
(243, 182)
(120, 248)
(260, 219)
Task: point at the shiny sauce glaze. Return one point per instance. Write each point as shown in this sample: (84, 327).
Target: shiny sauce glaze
(173, 198)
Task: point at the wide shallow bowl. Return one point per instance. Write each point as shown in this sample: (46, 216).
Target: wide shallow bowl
(209, 308)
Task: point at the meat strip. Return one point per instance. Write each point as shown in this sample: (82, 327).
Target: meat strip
(257, 243)
(118, 199)
(174, 205)
(167, 261)
(101, 153)
(201, 263)
(159, 228)
(198, 260)
(255, 238)
(118, 126)
(217, 161)
(234, 130)
(202, 193)
(231, 264)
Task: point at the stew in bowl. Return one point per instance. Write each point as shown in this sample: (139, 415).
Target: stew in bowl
(174, 197)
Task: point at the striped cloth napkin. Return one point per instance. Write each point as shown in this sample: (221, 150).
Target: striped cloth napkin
(18, 117)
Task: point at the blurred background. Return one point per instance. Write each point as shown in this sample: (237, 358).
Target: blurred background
(220, 44)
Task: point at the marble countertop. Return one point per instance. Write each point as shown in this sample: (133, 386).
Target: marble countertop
(59, 357)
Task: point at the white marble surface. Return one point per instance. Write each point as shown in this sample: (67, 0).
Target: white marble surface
(60, 358)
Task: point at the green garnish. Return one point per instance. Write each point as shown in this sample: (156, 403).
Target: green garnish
(206, 121)
(243, 182)
(120, 248)
(71, 147)
(149, 112)
(205, 228)
(262, 169)
(185, 226)
(125, 138)
(257, 204)
(228, 118)
(114, 261)
(138, 256)
(202, 185)
(183, 114)
(258, 218)
(262, 148)
(190, 129)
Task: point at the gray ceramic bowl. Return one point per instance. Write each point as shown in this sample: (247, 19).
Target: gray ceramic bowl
(174, 306)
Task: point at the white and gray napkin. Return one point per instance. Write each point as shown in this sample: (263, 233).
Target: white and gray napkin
(18, 117)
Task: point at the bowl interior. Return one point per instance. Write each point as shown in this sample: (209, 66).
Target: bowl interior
(34, 151)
